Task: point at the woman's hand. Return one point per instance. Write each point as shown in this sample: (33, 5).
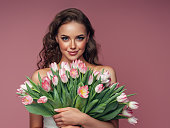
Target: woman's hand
(69, 116)
(71, 127)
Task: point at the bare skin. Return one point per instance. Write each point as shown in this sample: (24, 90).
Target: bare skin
(72, 37)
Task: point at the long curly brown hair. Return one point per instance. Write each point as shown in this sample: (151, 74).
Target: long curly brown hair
(51, 51)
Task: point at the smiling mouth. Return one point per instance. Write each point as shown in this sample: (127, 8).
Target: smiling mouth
(73, 53)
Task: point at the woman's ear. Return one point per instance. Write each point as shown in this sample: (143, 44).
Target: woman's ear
(56, 39)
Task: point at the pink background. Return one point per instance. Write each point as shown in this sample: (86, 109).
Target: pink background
(135, 41)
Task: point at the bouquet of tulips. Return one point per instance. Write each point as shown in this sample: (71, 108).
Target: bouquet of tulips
(77, 86)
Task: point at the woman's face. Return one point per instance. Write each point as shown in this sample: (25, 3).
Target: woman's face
(72, 38)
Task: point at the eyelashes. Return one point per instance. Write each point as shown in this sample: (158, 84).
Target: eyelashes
(64, 38)
(79, 38)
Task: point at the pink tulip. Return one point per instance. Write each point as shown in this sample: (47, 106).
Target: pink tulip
(106, 73)
(82, 68)
(75, 63)
(49, 74)
(105, 77)
(108, 84)
(99, 88)
(21, 91)
(46, 78)
(133, 105)
(46, 85)
(26, 100)
(96, 72)
(74, 73)
(132, 120)
(42, 99)
(122, 98)
(54, 66)
(28, 83)
(62, 71)
(23, 87)
(117, 86)
(63, 75)
(55, 80)
(127, 112)
(65, 65)
(64, 78)
(83, 91)
(90, 81)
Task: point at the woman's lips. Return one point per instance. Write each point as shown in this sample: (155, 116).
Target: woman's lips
(73, 53)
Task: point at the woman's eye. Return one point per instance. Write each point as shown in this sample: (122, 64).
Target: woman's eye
(64, 38)
(80, 38)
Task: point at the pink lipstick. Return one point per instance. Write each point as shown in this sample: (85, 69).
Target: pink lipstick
(73, 53)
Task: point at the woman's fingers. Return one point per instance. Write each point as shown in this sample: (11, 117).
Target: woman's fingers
(71, 127)
(57, 116)
(58, 120)
(68, 116)
(62, 109)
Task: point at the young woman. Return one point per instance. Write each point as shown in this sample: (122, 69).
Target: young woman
(70, 37)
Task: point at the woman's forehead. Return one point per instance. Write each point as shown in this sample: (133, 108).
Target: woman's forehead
(72, 28)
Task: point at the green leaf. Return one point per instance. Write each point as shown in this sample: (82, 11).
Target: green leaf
(131, 95)
(58, 87)
(113, 97)
(44, 93)
(39, 77)
(54, 73)
(86, 77)
(33, 94)
(20, 94)
(33, 84)
(57, 99)
(39, 109)
(109, 108)
(121, 117)
(68, 97)
(91, 105)
(92, 92)
(103, 94)
(113, 114)
(102, 70)
(99, 108)
(80, 103)
(118, 90)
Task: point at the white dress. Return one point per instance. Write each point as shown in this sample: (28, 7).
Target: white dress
(49, 122)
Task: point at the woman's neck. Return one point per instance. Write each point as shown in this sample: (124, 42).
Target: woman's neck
(70, 61)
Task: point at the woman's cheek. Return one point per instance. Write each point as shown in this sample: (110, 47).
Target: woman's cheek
(63, 46)
(82, 45)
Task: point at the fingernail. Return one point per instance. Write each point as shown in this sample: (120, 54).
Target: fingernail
(56, 110)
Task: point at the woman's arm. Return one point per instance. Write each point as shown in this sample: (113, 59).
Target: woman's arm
(36, 121)
(73, 116)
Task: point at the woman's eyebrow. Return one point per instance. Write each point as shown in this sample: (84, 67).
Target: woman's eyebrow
(77, 35)
(63, 35)
(81, 35)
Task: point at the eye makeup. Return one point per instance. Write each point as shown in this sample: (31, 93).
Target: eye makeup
(79, 37)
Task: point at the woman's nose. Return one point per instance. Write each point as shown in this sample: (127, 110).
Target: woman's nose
(73, 44)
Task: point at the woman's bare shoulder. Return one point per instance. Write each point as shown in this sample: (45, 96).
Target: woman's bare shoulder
(106, 68)
(109, 69)
(42, 72)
